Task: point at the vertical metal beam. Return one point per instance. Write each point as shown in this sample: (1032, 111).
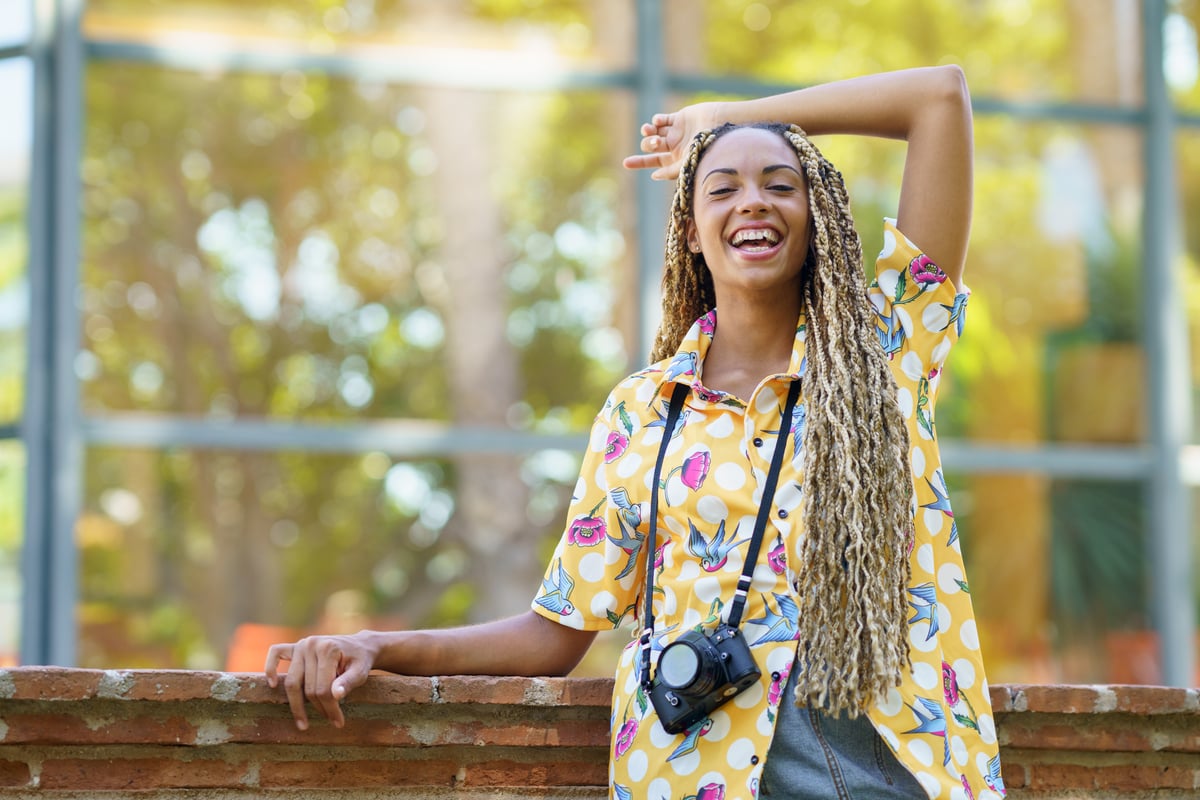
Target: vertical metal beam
(51, 420)
(1169, 377)
(651, 82)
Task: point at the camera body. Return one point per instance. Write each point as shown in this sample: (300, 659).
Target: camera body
(698, 672)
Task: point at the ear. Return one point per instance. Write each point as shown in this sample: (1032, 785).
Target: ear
(691, 235)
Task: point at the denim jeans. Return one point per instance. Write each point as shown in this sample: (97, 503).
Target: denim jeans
(818, 757)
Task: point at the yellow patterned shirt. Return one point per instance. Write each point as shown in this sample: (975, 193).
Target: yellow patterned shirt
(938, 723)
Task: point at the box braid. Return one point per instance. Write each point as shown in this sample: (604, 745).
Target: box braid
(857, 488)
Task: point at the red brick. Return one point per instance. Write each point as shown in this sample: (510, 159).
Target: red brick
(348, 774)
(1094, 737)
(357, 732)
(1063, 699)
(512, 773)
(1013, 773)
(52, 683)
(1151, 699)
(140, 773)
(525, 691)
(14, 774)
(530, 734)
(387, 689)
(1123, 777)
(64, 728)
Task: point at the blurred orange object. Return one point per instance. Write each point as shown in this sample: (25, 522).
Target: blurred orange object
(250, 642)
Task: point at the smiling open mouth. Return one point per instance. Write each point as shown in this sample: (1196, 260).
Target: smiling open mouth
(755, 239)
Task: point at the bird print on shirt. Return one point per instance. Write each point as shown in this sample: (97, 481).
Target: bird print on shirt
(926, 606)
(780, 627)
(692, 739)
(556, 591)
(714, 552)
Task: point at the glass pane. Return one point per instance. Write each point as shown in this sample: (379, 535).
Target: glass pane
(193, 559)
(299, 246)
(1056, 569)
(1029, 49)
(1054, 271)
(1181, 55)
(16, 85)
(468, 39)
(16, 22)
(12, 521)
(1187, 173)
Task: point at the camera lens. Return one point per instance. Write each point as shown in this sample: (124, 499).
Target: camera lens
(678, 664)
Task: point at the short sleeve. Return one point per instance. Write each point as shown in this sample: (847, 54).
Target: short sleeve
(918, 310)
(592, 580)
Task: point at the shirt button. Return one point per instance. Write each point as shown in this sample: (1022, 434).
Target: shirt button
(775, 676)
(783, 513)
(753, 759)
(758, 442)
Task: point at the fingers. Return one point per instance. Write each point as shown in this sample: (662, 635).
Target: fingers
(277, 653)
(325, 670)
(293, 685)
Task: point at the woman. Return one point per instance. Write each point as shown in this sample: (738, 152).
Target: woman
(858, 607)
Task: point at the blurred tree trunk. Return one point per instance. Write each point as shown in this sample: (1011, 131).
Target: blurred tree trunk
(484, 371)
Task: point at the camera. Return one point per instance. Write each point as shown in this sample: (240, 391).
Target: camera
(697, 673)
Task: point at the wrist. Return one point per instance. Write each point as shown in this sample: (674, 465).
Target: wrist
(372, 644)
(714, 113)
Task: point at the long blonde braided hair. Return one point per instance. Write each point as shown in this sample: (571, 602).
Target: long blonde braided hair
(857, 488)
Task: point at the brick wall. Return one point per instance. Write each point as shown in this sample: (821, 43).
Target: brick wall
(149, 735)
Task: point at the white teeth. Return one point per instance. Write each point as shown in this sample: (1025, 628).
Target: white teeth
(755, 235)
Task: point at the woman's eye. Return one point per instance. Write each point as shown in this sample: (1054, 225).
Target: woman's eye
(782, 187)
(721, 190)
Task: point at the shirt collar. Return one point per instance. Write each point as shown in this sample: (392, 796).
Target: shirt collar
(686, 365)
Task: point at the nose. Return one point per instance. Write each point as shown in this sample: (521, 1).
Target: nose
(753, 201)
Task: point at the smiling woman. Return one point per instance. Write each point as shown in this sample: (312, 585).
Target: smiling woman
(763, 297)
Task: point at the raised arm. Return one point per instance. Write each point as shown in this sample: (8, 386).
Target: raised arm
(324, 669)
(929, 107)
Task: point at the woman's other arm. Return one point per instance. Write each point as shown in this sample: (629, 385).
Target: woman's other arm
(324, 669)
(929, 107)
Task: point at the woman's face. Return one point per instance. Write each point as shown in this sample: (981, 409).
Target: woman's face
(750, 215)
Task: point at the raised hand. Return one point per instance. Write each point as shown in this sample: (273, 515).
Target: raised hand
(666, 137)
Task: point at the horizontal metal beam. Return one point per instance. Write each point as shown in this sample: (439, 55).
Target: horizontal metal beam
(411, 438)
(1056, 461)
(465, 69)
(10, 430)
(404, 438)
(13, 51)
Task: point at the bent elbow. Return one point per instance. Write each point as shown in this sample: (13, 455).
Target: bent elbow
(951, 85)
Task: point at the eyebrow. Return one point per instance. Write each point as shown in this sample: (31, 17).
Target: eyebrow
(766, 170)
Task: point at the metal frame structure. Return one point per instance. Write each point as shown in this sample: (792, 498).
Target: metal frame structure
(55, 432)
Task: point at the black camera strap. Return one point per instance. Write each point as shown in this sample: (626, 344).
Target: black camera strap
(760, 523)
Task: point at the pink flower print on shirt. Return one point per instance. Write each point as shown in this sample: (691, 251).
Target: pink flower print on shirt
(695, 469)
(587, 531)
(949, 684)
(924, 271)
(625, 738)
(967, 787)
(777, 559)
(777, 685)
(710, 791)
(708, 323)
(615, 447)
(960, 707)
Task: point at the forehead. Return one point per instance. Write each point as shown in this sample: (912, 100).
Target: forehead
(747, 148)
